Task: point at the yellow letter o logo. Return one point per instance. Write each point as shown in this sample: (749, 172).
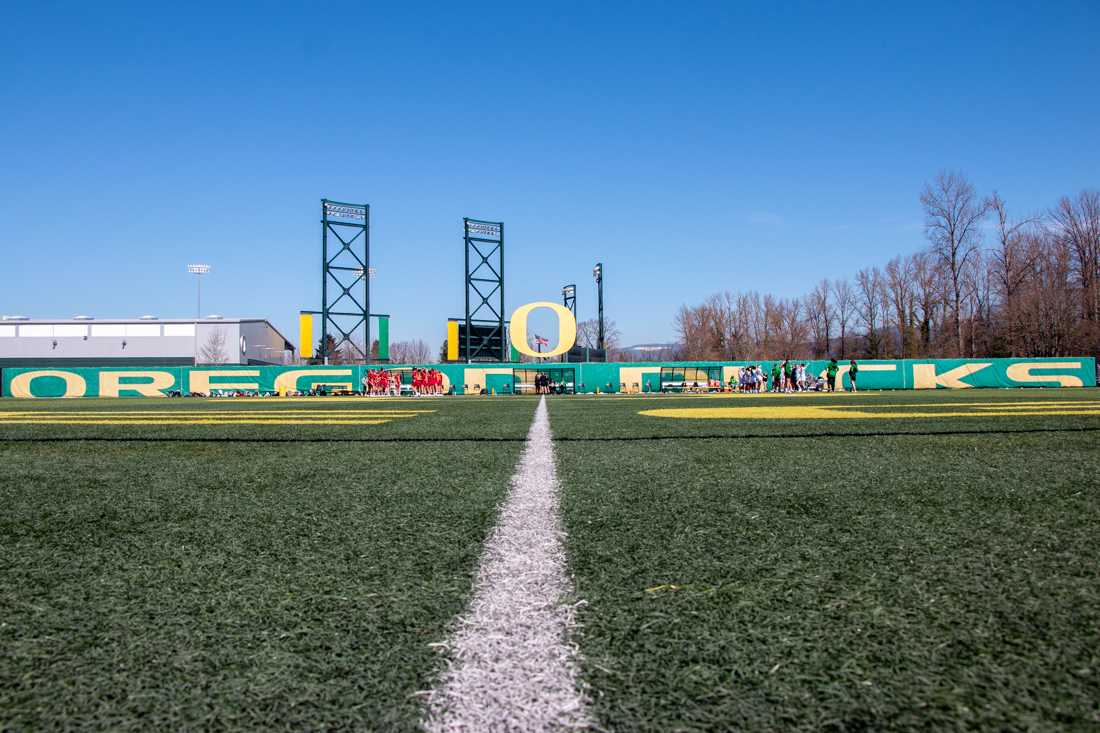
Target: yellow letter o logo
(567, 329)
(75, 386)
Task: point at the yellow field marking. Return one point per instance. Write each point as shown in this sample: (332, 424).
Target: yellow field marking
(812, 412)
(233, 421)
(209, 417)
(211, 413)
(1047, 404)
(1041, 406)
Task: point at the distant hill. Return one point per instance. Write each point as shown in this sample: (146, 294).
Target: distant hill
(649, 352)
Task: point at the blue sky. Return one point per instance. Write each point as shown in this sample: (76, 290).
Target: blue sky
(692, 148)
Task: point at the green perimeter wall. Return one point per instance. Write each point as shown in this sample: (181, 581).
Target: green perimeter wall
(874, 374)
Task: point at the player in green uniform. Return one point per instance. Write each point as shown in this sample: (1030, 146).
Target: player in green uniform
(830, 372)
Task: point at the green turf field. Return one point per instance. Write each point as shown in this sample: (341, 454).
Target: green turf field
(934, 572)
(237, 576)
(871, 561)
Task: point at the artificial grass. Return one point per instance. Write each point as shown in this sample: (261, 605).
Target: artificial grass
(835, 583)
(618, 418)
(450, 418)
(292, 577)
(160, 586)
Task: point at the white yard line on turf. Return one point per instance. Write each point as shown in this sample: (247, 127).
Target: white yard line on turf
(511, 662)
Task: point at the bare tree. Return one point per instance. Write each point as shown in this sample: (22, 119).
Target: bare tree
(1036, 292)
(588, 334)
(1050, 306)
(844, 304)
(928, 298)
(793, 327)
(1078, 227)
(953, 216)
(213, 350)
(351, 353)
(411, 352)
(1012, 262)
(872, 299)
(899, 283)
(820, 311)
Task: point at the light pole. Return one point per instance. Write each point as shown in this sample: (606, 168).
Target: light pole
(597, 272)
(569, 300)
(198, 271)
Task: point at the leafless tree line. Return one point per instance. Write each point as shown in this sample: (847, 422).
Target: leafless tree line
(989, 284)
(410, 352)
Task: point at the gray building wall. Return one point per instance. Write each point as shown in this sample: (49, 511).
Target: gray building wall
(163, 342)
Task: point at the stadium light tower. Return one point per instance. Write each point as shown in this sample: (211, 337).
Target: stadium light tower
(569, 298)
(597, 272)
(198, 271)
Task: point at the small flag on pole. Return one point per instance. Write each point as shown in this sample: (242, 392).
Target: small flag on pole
(541, 341)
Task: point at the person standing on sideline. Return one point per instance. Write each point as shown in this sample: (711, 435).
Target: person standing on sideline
(853, 369)
(830, 372)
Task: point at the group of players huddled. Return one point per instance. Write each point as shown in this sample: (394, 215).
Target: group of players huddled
(787, 376)
(383, 382)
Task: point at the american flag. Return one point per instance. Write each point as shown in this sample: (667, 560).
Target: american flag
(540, 341)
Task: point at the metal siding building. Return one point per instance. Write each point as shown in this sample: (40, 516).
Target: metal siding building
(139, 341)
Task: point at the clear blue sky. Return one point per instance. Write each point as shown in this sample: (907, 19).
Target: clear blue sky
(693, 148)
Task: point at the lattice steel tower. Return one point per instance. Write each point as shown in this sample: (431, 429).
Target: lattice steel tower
(484, 337)
(350, 225)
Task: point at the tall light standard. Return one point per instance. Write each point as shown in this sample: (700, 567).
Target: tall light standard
(198, 271)
(569, 300)
(597, 272)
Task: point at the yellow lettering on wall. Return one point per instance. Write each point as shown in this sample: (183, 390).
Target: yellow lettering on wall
(199, 380)
(75, 386)
(1022, 372)
(110, 383)
(288, 381)
(567, 329)
(925, 376)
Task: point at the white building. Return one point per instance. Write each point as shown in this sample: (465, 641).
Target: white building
(85, 341)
